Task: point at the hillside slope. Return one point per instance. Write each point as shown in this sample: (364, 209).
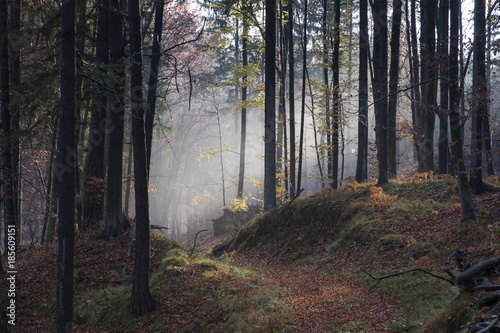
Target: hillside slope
(302, 267)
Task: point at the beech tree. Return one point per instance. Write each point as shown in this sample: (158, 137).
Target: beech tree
(270, 108)
(480, 96)
(362, 160)
(142, 301)
(379, 10)
(66, 148)
(94, 195)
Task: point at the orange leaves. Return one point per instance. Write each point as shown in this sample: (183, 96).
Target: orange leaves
(379, 199)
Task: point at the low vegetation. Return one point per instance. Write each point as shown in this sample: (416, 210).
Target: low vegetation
(305, 266)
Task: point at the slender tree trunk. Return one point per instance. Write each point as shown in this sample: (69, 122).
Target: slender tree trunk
(326, 85)
(94, 194)
(6, 133)
(291, 96)
(15, 80)
(153, 79)
(415, 64)
(443, 87)
(380, 85)
(66, 172)
(280, 150)
(142, 301)
(480, 96)
(362, 160)
(334, 153)
(116, 222)
(270, 107)
(393, 88)
(486, 121)
(428, 46)
(303, 104)
(241, 175)
(467, 202)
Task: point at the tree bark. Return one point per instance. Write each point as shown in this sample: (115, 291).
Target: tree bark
(393, 89)
(428, 73)
(153, 79)
(416, 108)
(467, 202)
(336, 119)
(142, 301)
(380, 85)
(66, 172)
(291, 97)
(116, 222)
(303, 101)
(443, 87)
(243, 138)
(479, 95)
(6, 133)
(270, 108)
(362, 160)
(94, 194)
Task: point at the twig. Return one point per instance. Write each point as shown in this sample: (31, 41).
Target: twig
(295, 197)
(380, 278)
(487, 328)
(487, 288)
(194, 242)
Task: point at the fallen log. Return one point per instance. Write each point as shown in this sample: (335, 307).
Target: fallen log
(468, 275)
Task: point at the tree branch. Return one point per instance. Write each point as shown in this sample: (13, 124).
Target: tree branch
(380, 278)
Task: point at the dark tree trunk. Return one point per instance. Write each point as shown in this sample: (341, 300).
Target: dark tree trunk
(468, 207)
(416, 108)
(6, 135)
(479, 95)
(362, 161)
(241, 174)
(153, 79)
(116, 222)
(15, 80)
(380, 85)
(428, 73)
(443, 87)
(142, 301)
(334, 153)
(291, 97)
(270, 107)
(66, 172)
(393, 89)
(281, 138)
(303, 101)
(326, 85)
(94, 195)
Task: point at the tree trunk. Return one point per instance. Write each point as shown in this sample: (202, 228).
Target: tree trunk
(270, 107)
(303, 104)
(94, 194)
(15, 80)
(334, 153)
(393, 89)
(479, 95)
(153, 79)
(6, 134)
(362, 160)
(380, 85)
(66, 172)
(280, 148)
(428, 73)
(417, 110)
(142, 301)
(291, 97)
(243, 138)
(468, 207)
(116, 222)
(443, 100)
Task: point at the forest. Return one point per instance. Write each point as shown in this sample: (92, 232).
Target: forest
(250, 166)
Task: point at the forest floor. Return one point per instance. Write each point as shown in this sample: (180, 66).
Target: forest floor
(301, 268)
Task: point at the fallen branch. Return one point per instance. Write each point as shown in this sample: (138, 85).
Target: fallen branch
(487, 288)
(466, 276)
(194, 242)
(487, 328)
(380, 278)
